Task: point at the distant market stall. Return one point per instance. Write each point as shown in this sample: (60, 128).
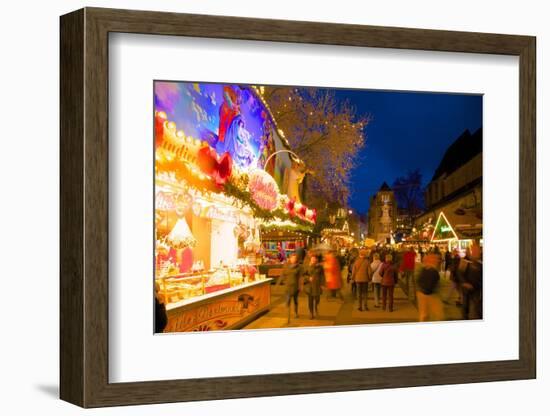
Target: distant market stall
(458, 229)
(337, 234)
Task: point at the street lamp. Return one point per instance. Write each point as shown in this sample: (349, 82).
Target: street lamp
(280, 151)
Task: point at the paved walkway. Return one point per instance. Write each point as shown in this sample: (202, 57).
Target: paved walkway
(335, 312)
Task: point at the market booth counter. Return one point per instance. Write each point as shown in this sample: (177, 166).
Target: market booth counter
(275, 240)
(213, 300)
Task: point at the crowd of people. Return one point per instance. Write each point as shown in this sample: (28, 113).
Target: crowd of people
(378, 270)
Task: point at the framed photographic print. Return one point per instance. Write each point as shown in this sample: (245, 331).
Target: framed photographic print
(245, 200)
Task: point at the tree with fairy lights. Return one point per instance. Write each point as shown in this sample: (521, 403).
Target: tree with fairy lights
(326, 132)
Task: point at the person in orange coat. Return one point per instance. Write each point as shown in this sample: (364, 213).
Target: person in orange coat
(333, 275)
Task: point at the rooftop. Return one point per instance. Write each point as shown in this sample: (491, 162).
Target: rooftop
(463, 149)
(384, 187)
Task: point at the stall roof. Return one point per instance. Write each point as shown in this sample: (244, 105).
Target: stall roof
(464, 224)
(279, 235)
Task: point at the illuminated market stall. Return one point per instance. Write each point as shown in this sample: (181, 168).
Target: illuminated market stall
(457, 230)
(217, 192)
(338, 237)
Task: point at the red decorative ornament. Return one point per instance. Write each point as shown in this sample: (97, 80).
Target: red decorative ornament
(218, 168)
(207, 159)
(302, 211)
(222, 172)
(160, 119)
(290, 206)
(314, 215)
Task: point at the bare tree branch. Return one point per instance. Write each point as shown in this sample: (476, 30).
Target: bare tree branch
(327, 135)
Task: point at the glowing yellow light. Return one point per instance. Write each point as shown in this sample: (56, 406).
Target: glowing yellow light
(180, 134)
(197, 142)
(171, 125)
(161, 114)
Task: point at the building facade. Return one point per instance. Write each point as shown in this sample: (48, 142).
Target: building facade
(459, 171)
(454, 195)
(382, 216)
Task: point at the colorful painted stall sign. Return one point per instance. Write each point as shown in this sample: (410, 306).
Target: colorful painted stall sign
(223, 312)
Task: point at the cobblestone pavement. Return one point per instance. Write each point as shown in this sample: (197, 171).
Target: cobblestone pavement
(335, 312)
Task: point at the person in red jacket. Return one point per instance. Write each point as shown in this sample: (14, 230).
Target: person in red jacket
(389, 279)
(407, 268)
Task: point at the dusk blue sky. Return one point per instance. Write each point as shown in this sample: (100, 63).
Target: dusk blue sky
(408, 130)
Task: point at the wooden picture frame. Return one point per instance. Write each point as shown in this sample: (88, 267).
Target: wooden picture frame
(84, 207)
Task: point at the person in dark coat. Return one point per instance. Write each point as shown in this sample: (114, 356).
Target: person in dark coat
(448, 260)
(353, 255)
(430, 307)
(161, 319)
(301, 253)
(454, 262)
(314, 280)
(291, 274)
(472, 285)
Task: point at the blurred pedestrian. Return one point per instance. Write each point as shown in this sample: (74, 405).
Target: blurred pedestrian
(292, 271)
(333, 276)
(161, 319)
(361, 275)
(454, 261)
(376, 279)
(389, 279)
(407, 267)
(345, 271)
(353, 255)
(448, 259)
(314, 280)
(301, 253)
(430, 307)
(472, 285)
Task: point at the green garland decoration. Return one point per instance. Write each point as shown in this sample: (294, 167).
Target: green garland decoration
(245, 196)
(231, 188)
(298, 228)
